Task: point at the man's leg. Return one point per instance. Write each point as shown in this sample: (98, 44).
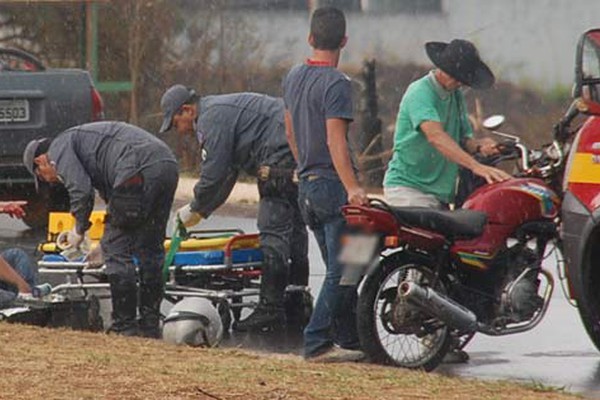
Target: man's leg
(344, 306)
(160, 183)
(275, 229)
(298, 304)
(24, 265)
(120, 267)
(320, 203)
(299, 267)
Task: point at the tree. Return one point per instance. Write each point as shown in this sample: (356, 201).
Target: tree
(133, 38)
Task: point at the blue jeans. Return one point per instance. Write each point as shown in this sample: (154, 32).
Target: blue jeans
(334, 316)
(24, 266)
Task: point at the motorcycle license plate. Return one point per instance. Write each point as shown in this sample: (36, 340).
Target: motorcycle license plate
(14, 111)
(358, 249)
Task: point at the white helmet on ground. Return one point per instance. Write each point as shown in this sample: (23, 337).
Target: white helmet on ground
(193, 321)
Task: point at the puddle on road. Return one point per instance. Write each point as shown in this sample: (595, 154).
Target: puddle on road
(563, 354)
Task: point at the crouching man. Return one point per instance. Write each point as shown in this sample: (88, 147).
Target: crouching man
(136, 175)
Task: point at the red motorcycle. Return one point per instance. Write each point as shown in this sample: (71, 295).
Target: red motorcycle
(436, 278)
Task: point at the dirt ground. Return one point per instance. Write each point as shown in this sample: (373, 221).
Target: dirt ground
(40, 363)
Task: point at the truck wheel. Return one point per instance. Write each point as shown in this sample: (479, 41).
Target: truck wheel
(49, 198)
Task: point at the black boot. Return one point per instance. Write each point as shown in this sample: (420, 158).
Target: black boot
(151, 295)
(269, 315)
(265, 318)
(298, 309)
(124, 302)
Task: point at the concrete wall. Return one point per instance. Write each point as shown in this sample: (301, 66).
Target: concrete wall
(524, 41)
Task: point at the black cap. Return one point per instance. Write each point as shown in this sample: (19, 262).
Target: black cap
(33, 149)
(171, 102)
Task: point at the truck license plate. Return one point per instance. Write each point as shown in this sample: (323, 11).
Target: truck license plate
(14, 111)
(358, 249)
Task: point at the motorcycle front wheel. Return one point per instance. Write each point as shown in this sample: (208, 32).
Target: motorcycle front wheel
(393, 332)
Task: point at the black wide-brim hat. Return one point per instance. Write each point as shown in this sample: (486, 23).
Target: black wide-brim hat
(460, 59)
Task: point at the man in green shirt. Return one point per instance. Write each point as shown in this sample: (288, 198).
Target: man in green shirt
(433, 136)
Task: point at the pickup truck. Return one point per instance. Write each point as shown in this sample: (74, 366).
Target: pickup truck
(38, 102)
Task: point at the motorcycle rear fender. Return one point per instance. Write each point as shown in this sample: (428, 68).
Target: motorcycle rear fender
(370, 219)
(379, 262)
(580, 231)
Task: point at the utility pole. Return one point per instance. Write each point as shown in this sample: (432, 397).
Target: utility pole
(369, 141)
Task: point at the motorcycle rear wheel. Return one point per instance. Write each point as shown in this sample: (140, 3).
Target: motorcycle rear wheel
(393, 332)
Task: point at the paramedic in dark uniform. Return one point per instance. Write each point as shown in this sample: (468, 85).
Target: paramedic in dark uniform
(246, 132)
(136, 175)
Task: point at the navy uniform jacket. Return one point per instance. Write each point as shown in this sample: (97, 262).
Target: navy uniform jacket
(239, 131)
(101, 156)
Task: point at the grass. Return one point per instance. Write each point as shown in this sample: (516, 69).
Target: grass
(63, 364)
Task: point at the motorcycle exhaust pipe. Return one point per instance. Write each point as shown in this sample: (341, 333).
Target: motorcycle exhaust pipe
(443, 308)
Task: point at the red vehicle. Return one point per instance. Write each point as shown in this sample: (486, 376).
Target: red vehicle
(581, 204)
(436, 278)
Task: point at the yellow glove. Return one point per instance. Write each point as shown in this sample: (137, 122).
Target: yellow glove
(187, 216)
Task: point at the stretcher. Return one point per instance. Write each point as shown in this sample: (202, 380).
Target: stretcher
(223, 266)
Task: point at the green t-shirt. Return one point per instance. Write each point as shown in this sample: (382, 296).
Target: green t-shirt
(415, 162)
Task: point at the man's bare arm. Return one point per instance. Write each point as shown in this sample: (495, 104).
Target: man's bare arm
(289, 133)
(10, 276)
(338, 148)
(451, 150)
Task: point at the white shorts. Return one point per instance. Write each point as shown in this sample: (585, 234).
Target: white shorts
(404, 196)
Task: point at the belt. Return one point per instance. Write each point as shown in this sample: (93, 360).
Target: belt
(266, 172)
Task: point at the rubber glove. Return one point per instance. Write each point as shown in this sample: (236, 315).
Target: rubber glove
(187, 216)
(69, 240)
(95, 258)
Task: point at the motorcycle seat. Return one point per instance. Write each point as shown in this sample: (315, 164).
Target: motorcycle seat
(456, 224)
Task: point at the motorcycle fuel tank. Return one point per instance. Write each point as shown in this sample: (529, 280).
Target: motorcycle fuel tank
(508, 205)
(515, 201)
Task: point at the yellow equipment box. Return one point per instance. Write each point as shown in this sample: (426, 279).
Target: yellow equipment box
(64, 221)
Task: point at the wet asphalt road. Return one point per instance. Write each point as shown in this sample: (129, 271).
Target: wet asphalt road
(556, 353)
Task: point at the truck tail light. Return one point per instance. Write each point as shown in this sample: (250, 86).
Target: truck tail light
(97, 106)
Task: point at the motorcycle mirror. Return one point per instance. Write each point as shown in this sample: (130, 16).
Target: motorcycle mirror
(493, 122)
(587, 69)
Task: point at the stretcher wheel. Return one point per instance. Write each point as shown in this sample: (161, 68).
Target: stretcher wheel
(236, 311)
(225, 314)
